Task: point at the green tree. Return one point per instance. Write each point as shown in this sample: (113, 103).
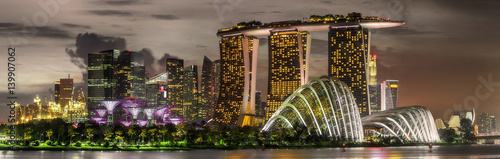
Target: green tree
(448, 135)
(466, 130)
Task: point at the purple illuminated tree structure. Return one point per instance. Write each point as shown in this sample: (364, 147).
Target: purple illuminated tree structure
(134, 111)
(142, 123)
(160, 124)
(101, 113)
(149, 111)
(126, 123)
(104, 122)
(96, 119)
(175, 121)
(110, 105)
(132, 103)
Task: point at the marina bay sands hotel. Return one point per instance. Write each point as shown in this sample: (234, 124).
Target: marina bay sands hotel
(289, 45)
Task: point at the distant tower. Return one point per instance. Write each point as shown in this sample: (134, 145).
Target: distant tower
(389, 94)
(175, 71)
(190, 93)
(238, 80)
(288, 65)
(373, 70)
(210, 83)
(348, 58)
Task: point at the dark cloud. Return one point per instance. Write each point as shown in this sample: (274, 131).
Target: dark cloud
(260, 12)
(111, 12)
(69, 25)
(165, 17)
(162, 60)
(201, 46)
(92, 43)
(275, 12)
(33, 31)
(149, 60)
(119, 2)
(403, 31)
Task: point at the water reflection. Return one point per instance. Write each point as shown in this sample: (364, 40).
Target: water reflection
(473, 151)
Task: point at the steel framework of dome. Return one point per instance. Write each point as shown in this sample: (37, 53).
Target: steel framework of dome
(412, 124)
(325, 104)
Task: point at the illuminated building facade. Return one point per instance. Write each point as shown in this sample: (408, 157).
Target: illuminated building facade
(407, 124)
(389, 94)
(156, 89)
(486, 123)
(175, 71)
(101, 80)
(348, 55)
(65, 92)
(375, 98)
(210, 84)
(238, 78)
(288, 65)
(325, 106)
(190, 93)
(373, 70)
(130, 76)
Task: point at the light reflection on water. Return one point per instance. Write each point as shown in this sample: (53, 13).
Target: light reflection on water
(473, 151)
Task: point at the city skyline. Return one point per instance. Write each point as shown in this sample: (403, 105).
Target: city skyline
(399, 55)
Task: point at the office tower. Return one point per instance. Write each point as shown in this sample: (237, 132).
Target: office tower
(101, 80)
(175, 71)
(493, 122)
(348, 55)
(130, 76)
(65, 92)
(484, 123)
(57, 90)
(373, 70)
(210, 76)
(375, 98)
(156, 89)
(238, 78)
(288, 65)
(389, 94)
(190, 93)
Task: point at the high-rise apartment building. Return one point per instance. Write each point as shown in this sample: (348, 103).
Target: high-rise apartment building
(101, 79)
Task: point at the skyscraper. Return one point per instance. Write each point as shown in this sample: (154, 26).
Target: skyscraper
(156, 89)
(101, 80)
(210, 76)
(348, 55)
(130, 76)
(288, 65)
(175, 71)
(375, 98)
(190, 93)
(238, 78)
(484, 123)
(65, 92)
(389, 94)
(373, 70)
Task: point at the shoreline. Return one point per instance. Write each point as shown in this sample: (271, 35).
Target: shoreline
(147, 148)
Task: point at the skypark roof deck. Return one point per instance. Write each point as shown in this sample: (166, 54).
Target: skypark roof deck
(315, 23)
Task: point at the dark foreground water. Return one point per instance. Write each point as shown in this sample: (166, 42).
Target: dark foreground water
(473, 151)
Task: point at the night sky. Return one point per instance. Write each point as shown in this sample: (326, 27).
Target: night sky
(439, 56)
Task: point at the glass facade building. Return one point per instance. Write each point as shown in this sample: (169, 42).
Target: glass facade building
(210, 84)
(190, 93)
(324, 105)
(175, 71)
(407, 124)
